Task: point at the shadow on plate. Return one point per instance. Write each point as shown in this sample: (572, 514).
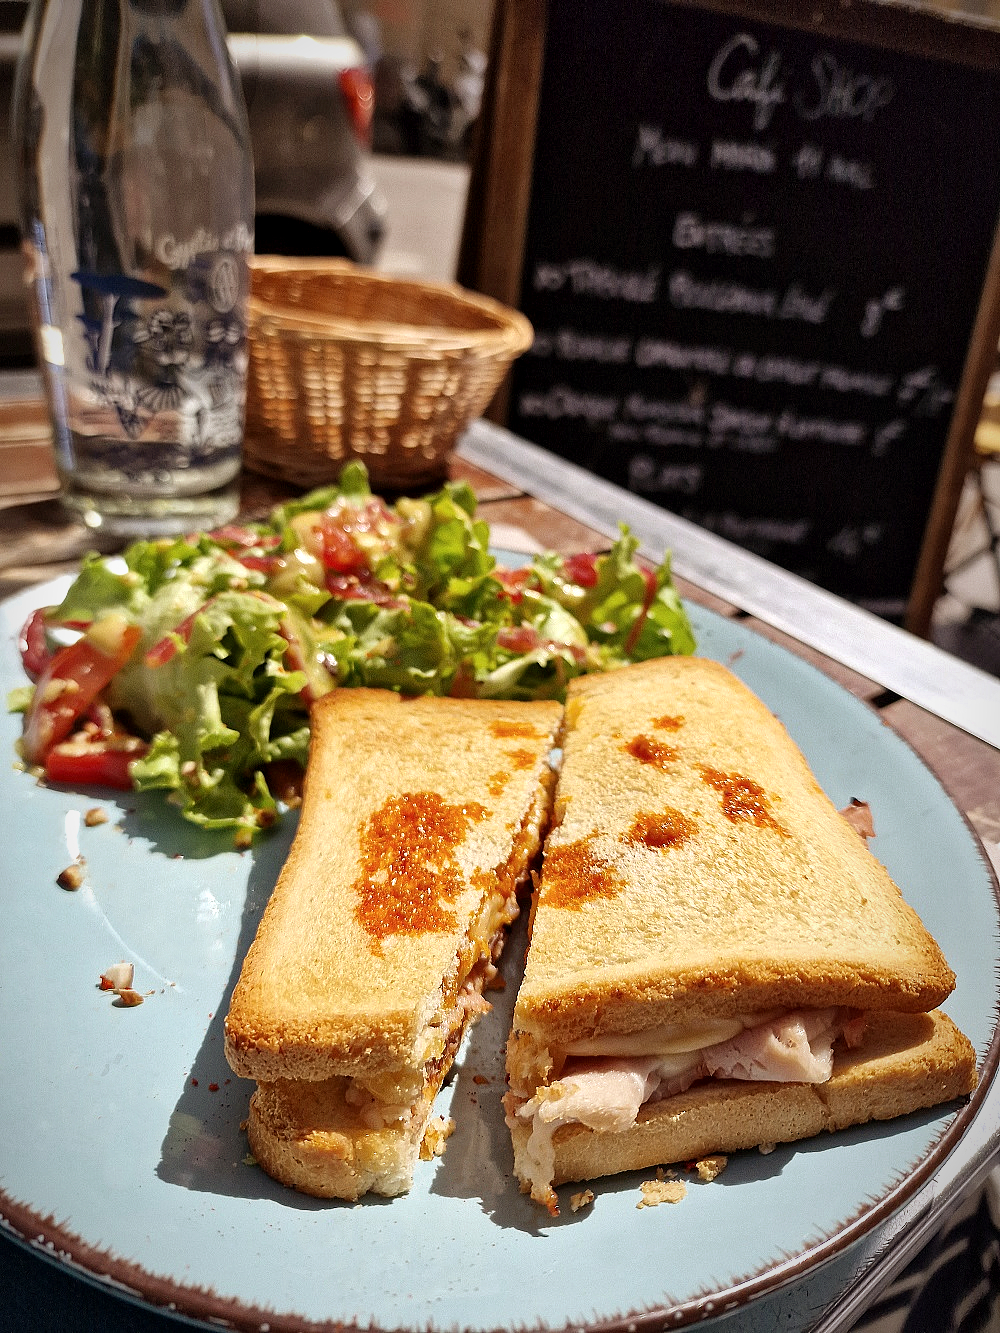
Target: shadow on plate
(205, 1148)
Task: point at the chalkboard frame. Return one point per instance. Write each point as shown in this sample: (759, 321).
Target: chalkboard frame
(492, 250)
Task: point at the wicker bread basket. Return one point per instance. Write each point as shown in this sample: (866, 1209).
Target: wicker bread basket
(347, 363)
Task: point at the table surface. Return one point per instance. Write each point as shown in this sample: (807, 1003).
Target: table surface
(532, 500)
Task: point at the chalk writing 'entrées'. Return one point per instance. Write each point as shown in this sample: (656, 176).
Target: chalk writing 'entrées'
(691, 232)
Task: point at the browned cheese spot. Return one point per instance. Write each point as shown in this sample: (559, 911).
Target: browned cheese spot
(521, 759)
(574, 875)
(668, 723)
(504, 729)
(648, 750)
(665, 829)
(743, 800)
(410, 877)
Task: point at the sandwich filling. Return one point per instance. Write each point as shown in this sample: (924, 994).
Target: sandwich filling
(604, 1082)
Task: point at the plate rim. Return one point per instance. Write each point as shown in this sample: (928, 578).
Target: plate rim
(46, 1238)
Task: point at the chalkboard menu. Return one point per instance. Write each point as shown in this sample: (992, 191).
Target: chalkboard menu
(754, 256)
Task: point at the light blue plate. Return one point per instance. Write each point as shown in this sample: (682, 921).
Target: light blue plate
(120, 1143)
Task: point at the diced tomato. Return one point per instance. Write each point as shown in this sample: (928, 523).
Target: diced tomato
(33, 644)
(463, 684)
(263, 564)
(340, 554)
(514, 581)
(581, 569)
(100, 764)
(235, 535)
(363, 588)
(518, 638)
(166, 648)
(69, 683)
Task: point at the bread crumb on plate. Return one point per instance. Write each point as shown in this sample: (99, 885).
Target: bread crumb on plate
(439, 1130)
(661, 1191)
(581, 1199)
(710, 1168)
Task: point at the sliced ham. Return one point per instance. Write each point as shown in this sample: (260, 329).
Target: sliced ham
(859, 815)
(796, 1048)
(602, 1094)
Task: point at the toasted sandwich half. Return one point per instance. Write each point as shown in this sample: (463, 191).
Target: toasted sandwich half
(717, 961)
(420, 819)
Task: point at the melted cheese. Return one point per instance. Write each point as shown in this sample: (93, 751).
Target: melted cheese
(667, 1039)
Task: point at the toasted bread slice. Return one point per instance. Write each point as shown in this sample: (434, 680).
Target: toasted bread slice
(696, 869)
(906, 1062)
(420, 819)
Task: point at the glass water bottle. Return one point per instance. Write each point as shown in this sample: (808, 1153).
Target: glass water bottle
(136, 185)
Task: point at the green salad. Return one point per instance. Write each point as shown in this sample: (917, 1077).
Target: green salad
(190, 664)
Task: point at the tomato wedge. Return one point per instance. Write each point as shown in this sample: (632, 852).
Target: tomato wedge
(519, 639)
(633, 636)
(340, 554)
(33, 644)
(582, 569)
(93, 764)
(70, 682)
(166, 648)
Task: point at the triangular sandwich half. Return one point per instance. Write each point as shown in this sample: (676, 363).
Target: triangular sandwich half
(420, 819)
(717, 961)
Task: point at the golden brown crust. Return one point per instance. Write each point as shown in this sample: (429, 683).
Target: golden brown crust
(906, 1062)
(304, 1134)
(697, 869)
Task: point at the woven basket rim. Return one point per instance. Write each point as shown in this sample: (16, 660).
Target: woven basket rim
(512, 330)
(414, 339)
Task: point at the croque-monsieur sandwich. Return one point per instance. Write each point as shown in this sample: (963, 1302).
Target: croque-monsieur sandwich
(420, 819)
(717, 961)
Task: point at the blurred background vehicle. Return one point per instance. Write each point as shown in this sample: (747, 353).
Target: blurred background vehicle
(310, 101)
